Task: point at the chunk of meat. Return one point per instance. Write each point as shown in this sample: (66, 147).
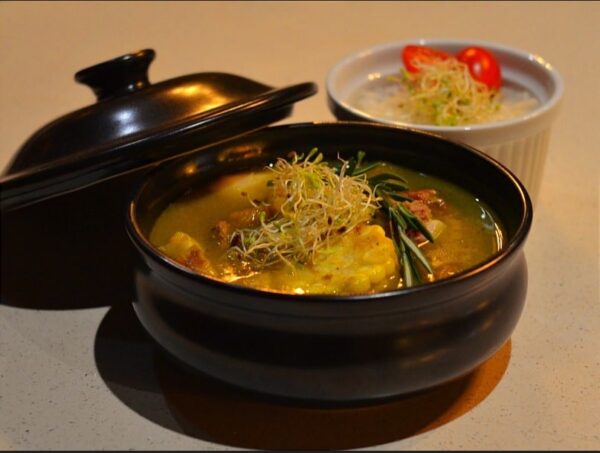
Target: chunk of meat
(246, 218)
(222, 231)
(421, 206)
(423, 201)
(429, 196)
(420, 209)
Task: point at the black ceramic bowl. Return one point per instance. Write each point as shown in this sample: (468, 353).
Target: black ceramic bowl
(334, 348)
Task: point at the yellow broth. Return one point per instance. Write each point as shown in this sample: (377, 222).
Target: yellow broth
(472, 234)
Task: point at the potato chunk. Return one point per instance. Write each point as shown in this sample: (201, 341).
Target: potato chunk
(237, 187)
(185, 250)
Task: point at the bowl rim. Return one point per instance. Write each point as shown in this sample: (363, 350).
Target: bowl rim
(143, 243)
(530, 58)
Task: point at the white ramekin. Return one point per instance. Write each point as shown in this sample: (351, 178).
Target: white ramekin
(521, 144)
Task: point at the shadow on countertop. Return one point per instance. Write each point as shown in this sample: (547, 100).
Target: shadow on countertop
(160, 389)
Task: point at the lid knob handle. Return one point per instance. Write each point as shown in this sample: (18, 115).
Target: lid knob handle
(119, 76)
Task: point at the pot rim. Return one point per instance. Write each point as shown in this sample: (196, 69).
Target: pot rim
(512, 246)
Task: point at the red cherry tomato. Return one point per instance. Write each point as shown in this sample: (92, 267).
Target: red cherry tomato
(422, 54)
(483, 66)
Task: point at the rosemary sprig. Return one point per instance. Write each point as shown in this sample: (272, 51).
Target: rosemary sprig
(388, 187)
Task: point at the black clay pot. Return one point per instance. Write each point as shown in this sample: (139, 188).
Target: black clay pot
(331, 348)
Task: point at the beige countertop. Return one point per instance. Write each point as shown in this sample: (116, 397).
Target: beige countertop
(547, 395)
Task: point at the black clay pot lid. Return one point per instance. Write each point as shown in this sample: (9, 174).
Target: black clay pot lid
(135, 123)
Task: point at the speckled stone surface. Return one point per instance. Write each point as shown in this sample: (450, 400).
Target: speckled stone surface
(70, 379)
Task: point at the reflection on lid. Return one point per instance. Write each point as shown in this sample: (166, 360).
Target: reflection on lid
(126, 121)
(241, 152)
(206, 97)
